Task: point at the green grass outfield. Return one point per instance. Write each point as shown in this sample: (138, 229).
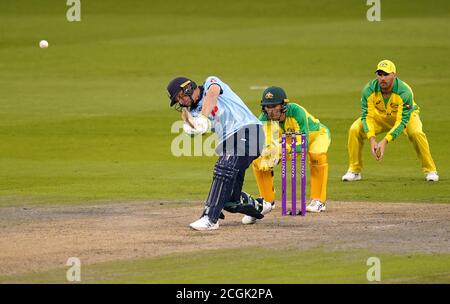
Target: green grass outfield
(257, 266)
(87, 120)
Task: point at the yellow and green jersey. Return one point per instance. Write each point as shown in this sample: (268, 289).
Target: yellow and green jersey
(395, 111)
(297, 120)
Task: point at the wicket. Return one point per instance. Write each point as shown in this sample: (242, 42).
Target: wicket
(293, 173)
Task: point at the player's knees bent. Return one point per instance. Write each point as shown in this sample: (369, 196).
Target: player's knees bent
(256, 163)
(318, 159)
(356, 128)
(416, 134)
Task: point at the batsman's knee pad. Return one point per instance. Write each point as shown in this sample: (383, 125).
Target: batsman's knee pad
(246, 205)
(222, 186)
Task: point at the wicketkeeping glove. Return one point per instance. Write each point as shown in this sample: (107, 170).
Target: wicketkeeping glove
(288, 151)
(269, 157)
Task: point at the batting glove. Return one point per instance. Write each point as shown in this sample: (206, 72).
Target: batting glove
(202, 124)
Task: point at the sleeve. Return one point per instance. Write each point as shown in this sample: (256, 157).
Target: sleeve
(367, 111)
(403, 115)
(213, 80)
(263, 117)
(302, 120)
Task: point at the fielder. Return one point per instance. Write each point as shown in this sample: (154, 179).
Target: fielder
(387, 105)
(213, 106)
(279, 116)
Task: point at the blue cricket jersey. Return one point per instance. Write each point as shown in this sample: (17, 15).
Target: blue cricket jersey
(231, 113)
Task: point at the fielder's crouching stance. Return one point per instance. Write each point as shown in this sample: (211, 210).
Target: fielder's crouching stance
(215, 107)
(387, 105)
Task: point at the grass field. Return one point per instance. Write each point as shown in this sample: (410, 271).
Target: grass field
(266, 267)
(87, 120)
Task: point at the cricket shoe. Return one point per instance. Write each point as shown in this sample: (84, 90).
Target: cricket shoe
(266, 208)
(351, 177)
(204, 223)
(432, 177)
(316, 206)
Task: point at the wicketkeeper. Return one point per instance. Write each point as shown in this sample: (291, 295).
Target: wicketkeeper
(213, 106)
(387, 105)
(280, 116)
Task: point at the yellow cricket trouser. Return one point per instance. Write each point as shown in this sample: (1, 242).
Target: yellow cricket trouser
(319, 141)
(413, 130)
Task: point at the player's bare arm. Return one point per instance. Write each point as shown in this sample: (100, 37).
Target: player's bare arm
(380, 148)
(373, 146)
(210, 99)
(202, 124)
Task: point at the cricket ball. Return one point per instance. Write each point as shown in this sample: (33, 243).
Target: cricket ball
(43, 44)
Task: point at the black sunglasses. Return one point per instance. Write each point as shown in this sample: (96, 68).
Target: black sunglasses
(381, 73)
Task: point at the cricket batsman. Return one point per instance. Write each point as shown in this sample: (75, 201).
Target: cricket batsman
(213, 106)
(279, 116)
(387, 105)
